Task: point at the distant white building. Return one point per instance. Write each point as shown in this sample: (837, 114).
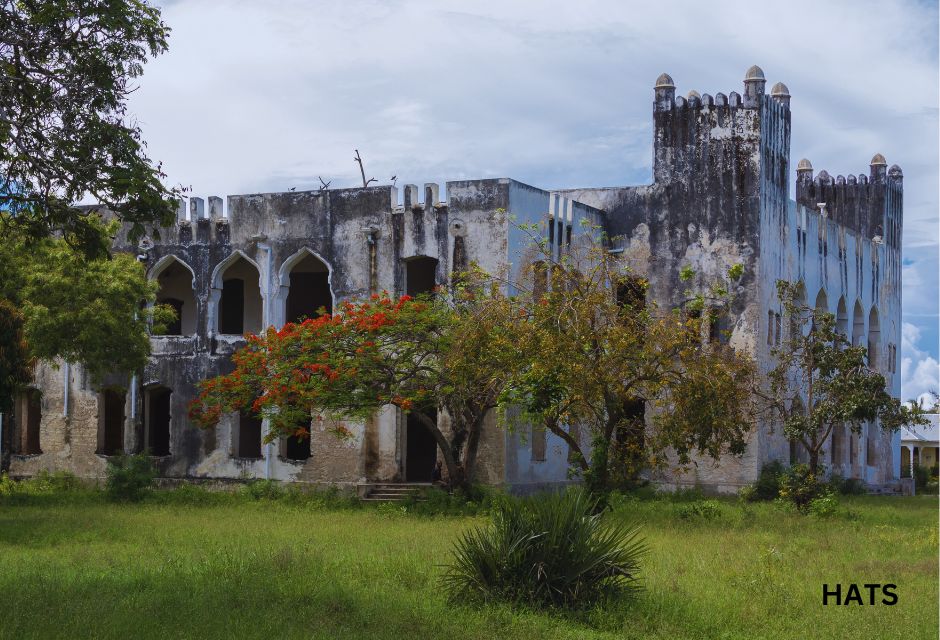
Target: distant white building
(920, 446)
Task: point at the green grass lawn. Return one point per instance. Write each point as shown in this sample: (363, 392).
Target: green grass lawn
(230, 567)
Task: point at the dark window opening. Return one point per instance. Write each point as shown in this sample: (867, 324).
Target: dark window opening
(794, 452)
(538, 441)
(568, 235)
(631, 293)
(111, 434)
(28, 422)
(420, 450)
(309, 290)
(693, 324)
(835, 447)
(871, 452)
(157, 421)
(174, 328)
(420, 275)
(718, 331)
(298, 447)
(631, 435)
(240, 304)
(249, 436)
(232, 307)
(551, 233)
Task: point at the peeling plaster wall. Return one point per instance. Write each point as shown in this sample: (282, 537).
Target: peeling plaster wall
(720, 196)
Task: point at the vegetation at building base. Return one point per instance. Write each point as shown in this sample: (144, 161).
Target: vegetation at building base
(130, 477)
(194, 563)
(548, 551)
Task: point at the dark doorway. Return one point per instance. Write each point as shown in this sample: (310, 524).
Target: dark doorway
(29, 421)
(631, 438)
(174, 328)
(309, 292)
(420, 275)
(111, 435)
(232, 307)
(298, 448)
(420, 452)
(249, 436)
(158, 421)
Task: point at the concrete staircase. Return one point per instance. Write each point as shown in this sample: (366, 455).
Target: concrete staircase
(393, 491)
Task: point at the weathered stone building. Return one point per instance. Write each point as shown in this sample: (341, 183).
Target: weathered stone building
(720, 195)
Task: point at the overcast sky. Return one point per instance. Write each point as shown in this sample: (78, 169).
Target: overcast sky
(264, 96)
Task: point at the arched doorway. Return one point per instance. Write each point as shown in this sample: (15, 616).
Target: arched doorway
(176, 280)
(309, 293)
(236, 288)
(420, 450)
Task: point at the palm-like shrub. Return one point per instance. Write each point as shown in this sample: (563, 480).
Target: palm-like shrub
(547, 551)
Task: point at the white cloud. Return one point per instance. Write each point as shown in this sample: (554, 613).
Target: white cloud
(920, 373)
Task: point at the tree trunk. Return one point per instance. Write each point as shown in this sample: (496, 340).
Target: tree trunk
(813, 460)
(455, 474)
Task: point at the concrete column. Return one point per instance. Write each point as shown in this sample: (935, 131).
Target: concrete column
(910, 451)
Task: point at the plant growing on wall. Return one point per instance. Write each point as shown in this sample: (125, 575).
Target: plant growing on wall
(820, 381)
(442, 352)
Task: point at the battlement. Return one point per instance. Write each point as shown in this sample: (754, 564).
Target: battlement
(665, 98)
(698, 133)
(869, 205)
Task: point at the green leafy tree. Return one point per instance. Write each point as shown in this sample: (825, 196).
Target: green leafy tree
(821, 381)
(439, 353)
(89, 311)
(596, 355)
(67, 68)
(15, 361)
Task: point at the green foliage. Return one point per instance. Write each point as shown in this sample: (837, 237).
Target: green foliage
(44, 483)
(767, 486)
(847, 486)
(67, 68)
(821, 381)
(434, 501)
(824, 505)
(130, 477)
(799, 485)
(15, 360)
(546, 551)
(594, 353)
(921, 477)
(263, 490)
(704, 509)
(78, 309)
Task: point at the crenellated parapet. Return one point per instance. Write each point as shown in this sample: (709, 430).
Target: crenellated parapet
(868, 204)
(701, 135)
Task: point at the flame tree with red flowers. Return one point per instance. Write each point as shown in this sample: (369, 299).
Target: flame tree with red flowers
(448, 353)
